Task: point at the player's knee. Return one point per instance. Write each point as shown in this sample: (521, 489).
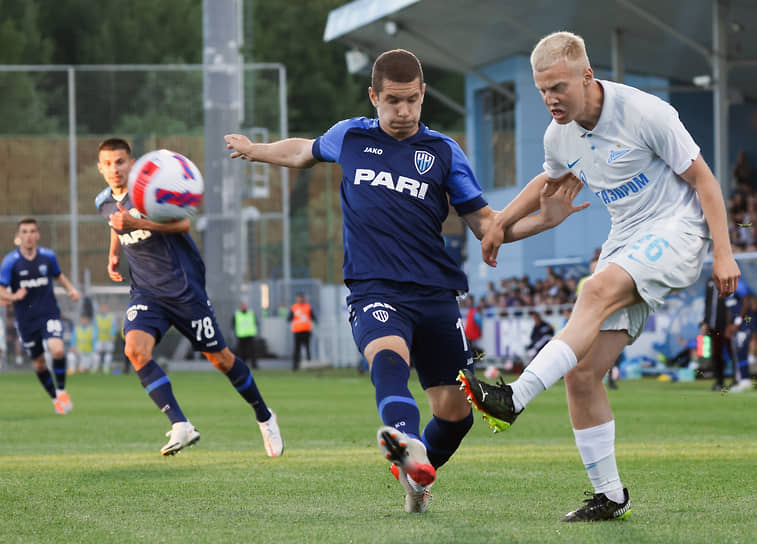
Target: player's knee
(137, 355)
(56, 352)
(594, 291)
(222, 360)
(582, 379)
(455, 411)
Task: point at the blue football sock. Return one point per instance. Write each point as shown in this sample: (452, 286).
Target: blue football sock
(442, 438)
(396, 406)
(59, 368)
(46, 379)
(158, 386)
(744, 370)
(242, 380)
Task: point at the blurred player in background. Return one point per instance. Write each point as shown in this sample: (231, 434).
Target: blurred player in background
(744, 325)
(635, 155)
(398, 177)
(84, 344)
(26, 276)
(168, 288)
(107, 331)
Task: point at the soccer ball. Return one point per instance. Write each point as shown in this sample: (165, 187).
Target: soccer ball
(491, 372)
(165, 185)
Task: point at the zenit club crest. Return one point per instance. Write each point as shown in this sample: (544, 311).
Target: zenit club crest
(423, 161)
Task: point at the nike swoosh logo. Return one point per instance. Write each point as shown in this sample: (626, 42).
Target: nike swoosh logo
(572, 164)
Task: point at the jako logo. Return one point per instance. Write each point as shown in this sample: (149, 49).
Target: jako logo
(374, 150)
(181, 200)
(381, 315)
(413, 187)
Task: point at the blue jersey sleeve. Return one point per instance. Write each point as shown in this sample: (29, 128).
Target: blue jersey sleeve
(50, 254)
(464, 191)
(101, 197)
(328, 147)
(6, 269)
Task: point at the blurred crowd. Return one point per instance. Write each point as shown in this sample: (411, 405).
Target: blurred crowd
(742, 207)
(554, 290)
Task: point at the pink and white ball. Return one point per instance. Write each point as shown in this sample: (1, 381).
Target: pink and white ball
(491, 372)
(165, 186)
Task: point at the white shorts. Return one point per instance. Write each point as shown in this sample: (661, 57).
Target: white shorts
(660, 258)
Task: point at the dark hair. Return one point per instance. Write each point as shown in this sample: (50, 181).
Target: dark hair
(113, 144)
(396, 65)
(26, 221)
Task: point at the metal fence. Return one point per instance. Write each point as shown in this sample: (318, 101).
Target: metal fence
(53, 118)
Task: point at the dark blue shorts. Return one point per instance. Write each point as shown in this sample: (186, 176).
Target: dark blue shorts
(428, 318)
(195, 320)
(33, 338)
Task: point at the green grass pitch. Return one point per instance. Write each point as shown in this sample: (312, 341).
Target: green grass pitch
(688, 456)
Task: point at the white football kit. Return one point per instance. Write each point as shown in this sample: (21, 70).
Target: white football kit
(632, 161)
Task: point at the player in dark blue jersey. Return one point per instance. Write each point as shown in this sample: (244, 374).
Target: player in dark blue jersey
(399, 177)
(168, 288)
(26, 279)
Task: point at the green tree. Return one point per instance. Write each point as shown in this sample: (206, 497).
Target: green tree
(319, 88)
(24, 94)
(133, 32)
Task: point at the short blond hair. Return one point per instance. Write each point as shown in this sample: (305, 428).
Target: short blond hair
(557, 47)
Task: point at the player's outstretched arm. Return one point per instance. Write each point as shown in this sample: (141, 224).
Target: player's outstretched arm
(7, 296)
(725, 271)
(292, 152)
(72, 291)
(479, 221)
(114, 257)
(555, 205)
(123, 220)
(529, 200)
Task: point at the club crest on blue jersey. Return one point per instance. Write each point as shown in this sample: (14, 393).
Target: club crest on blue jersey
(43, 269)
(423, 161)
(381, 315)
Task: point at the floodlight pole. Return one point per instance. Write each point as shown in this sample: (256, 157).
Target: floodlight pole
(222, 73)
(720, 94)
(73, 189)
(284, 129)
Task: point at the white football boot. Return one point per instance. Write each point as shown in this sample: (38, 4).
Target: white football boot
(272, 440)
(417, 497)
(181, 435)
(65, 400)
(407, 453)
(410, 465)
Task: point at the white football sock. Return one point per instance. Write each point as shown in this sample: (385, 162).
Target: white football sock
(597, 448)
(550, 364)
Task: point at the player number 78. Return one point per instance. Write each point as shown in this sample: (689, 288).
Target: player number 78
(203, 325)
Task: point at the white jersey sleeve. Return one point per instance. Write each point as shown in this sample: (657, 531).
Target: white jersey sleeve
(664, 133)
(554, 157)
